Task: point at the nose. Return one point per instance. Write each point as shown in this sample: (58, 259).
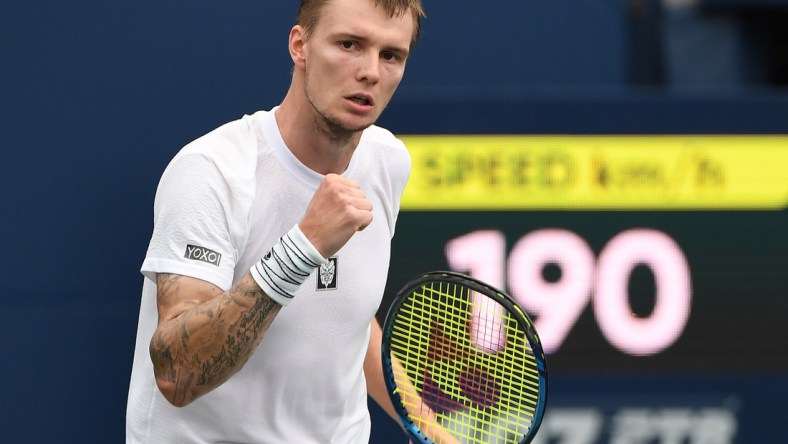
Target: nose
(369, 68)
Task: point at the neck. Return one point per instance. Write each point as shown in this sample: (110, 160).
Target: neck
(321, 145)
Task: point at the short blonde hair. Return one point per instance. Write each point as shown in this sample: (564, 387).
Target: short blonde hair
(309, 13)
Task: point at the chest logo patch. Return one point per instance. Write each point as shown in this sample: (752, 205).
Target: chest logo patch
(327, 275)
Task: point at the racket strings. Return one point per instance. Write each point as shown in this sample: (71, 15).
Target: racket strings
(470, 362)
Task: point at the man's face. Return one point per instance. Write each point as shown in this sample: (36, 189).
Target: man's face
(354, 61)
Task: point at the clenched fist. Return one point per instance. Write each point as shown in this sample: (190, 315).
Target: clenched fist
(337, 211)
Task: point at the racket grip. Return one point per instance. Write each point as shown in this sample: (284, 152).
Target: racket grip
(289, 263)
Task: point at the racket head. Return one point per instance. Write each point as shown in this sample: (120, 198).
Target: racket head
(471, 354)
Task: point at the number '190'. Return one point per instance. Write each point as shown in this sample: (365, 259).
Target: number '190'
(603, 281)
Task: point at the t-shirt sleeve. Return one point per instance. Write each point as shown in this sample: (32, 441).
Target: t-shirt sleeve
(192, 223)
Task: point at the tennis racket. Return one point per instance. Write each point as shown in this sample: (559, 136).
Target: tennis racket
(461, 356)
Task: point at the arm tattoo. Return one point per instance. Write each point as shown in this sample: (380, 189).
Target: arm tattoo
(243, 336)
(203, 346)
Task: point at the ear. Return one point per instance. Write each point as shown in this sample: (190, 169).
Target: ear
(297, 45)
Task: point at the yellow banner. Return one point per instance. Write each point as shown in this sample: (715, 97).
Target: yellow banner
(692, 172)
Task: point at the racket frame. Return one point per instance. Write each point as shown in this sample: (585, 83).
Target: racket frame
(482, 288)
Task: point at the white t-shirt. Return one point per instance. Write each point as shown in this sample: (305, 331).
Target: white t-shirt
(223, 201)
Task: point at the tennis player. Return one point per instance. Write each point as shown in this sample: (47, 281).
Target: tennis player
(270, 250)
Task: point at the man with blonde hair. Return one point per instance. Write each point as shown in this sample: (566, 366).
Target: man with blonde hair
(270, 250)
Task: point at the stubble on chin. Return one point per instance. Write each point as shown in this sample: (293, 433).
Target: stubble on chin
(334, 130)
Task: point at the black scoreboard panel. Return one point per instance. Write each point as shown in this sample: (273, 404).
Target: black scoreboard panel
(736, 262)
(641, 254)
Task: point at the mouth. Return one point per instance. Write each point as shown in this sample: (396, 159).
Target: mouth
(361, 99)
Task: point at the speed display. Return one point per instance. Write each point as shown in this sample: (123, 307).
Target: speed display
(632, 253)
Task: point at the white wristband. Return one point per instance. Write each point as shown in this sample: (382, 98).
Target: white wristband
(283, 269)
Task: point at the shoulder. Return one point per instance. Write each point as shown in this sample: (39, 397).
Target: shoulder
(229, 151)
(385, 156)
(232, 142)
(390, 146)
(218, 167)
(379, 135)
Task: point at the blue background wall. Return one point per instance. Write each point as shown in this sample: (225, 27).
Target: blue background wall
(97, 97)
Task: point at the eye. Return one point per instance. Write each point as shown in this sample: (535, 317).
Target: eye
(390, 56)
(347, 44)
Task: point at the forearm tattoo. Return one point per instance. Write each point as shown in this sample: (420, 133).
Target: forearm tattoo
(203, 346)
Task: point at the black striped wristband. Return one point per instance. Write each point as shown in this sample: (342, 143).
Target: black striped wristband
(283, 269)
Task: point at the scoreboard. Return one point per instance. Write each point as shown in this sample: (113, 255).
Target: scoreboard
(637, 256)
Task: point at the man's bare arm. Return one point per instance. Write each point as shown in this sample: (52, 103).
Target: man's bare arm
(205, 335)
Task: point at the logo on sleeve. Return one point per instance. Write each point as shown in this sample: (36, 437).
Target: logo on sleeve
(327, 279)
(196, 253)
